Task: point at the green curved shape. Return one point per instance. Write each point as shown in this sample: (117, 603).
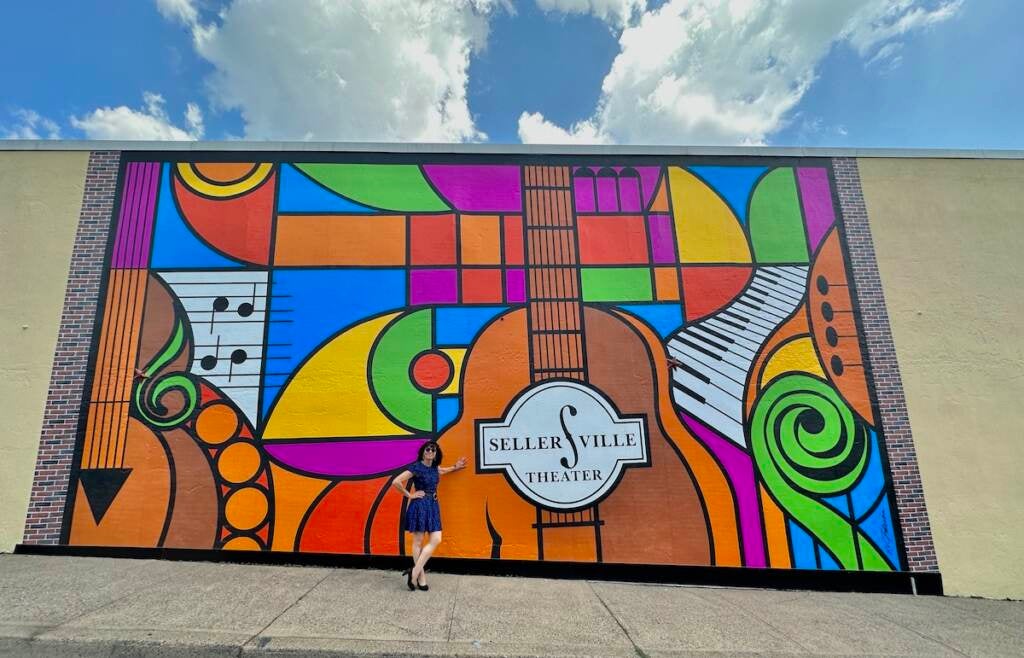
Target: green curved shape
(400, 188)
(776, 223)
(149, 391)
(807, 442)
(389, 370)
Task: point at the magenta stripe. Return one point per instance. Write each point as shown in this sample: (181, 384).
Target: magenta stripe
(740, 471)
(133, 225)
(819, 214)
(147, 220)
(131, 246)
(136, 210)
(141, 236)
(125, 217)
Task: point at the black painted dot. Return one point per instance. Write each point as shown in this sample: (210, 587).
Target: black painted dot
(837, 365)
(826, 312)
(209, 362)
(812, 421)
(238, 356)
(245, 309)
(822, 285)
(220, 304)
(831, 336)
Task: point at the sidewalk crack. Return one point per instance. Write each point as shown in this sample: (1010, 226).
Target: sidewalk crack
(294, 603)
(639, 652)
(451, 612)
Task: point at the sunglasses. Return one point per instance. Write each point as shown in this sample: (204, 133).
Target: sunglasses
(430, 449)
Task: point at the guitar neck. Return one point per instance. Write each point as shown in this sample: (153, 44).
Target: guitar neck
(554, 306)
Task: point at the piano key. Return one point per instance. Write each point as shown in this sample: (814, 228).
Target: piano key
(710, 416)
(732, 344)
(709, 394)
(725, 375)
(741, 362)
(749, 340)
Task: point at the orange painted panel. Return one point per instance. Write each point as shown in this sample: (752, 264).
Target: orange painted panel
(612, 240)
(340, 240)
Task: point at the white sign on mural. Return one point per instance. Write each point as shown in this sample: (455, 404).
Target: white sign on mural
(562, 444)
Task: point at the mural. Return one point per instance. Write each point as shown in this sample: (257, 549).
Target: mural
(649, 362)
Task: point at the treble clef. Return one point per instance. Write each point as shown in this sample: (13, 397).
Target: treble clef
(568, 435)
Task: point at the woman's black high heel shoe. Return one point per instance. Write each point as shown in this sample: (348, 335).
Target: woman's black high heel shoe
(422, 588)
(408, 580)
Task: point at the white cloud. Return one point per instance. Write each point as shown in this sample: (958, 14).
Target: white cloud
(354, 70)
(535, 129)
(29, 124)
(617, 13)
(148, 123)
(181, 10)
(730, 71)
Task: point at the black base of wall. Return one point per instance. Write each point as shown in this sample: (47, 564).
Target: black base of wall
(927, 583)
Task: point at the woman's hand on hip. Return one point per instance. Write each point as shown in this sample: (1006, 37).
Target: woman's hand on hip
(417, 494)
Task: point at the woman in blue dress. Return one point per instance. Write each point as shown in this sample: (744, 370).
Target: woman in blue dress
(423, 516)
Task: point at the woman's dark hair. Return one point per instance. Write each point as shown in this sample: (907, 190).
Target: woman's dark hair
(438, 455)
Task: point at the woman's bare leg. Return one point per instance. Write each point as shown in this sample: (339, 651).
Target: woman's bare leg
(425, 553)
(417, 543)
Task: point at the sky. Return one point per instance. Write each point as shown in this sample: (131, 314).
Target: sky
(840, 73)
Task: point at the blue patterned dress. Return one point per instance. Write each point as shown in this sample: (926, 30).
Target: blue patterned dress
(424, 514)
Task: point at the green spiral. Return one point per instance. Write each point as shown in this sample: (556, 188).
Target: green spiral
(150, 391)
(808, 443)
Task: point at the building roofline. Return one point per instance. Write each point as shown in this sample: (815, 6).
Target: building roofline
(505, 149)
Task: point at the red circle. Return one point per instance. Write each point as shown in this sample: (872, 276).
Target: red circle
(431, 371)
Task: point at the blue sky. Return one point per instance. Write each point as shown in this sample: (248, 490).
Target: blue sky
(869, 73)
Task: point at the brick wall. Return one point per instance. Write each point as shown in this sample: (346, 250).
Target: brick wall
(892, 405)
(70, 362)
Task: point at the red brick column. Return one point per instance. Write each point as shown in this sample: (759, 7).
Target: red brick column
(885, 372)
(64, 401)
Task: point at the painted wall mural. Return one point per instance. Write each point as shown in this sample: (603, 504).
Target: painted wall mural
(649, 361)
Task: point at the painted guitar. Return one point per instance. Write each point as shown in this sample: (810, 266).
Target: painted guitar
(566, 367)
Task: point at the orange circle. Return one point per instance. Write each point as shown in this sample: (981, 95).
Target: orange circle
(224, 172)
(246, 508)
(431, 371)
(242, 544)
(217, 423)
(238, 462)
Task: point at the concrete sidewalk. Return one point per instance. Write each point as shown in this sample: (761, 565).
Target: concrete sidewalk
(111, 607)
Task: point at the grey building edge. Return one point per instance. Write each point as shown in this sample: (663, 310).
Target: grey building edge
(507, 149)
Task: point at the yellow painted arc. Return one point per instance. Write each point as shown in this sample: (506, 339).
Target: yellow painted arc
(458, 356)
(192, 178)
(330, 396)
(707, 230)
(797, 355)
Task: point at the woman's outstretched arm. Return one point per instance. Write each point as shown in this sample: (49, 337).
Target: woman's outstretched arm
(459, 465)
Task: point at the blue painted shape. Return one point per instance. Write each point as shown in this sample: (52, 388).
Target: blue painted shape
(734, 184)
(460, 325)
(446, 410)
(175, 244)
(879, 528)
(299, 193)
(873, 481)
(827, 562)
(309, 306)
(803, 547)
(839, 504)
(664, 318)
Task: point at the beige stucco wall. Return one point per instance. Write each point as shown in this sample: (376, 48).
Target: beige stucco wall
(949, 235)
(40, 198)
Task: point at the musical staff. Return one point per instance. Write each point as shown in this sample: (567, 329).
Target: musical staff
(228, 314)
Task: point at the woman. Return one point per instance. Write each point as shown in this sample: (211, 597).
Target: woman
(424, 514)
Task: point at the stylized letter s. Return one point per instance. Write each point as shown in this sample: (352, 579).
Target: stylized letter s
(568, 435)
